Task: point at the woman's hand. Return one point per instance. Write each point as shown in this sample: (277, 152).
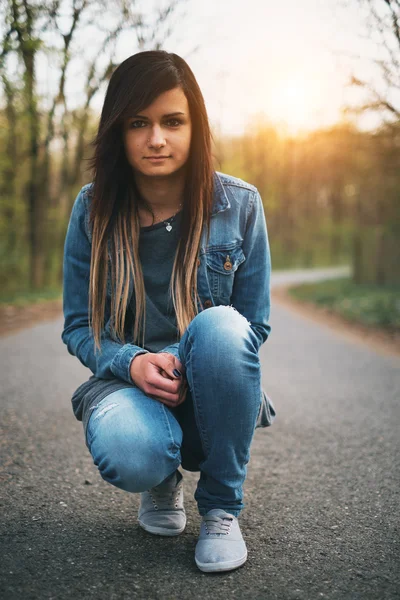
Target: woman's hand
(153, 373)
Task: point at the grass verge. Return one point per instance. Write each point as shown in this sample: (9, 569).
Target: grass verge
(25, 298)
(365, 304)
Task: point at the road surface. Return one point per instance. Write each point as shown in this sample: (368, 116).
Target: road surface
(322, 492)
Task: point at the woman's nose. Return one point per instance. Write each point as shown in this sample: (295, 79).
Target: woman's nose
(156, 137)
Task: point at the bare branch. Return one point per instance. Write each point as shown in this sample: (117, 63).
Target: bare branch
(156, 38)
(395, 19)
(60, 97)
(387, 28)
(378, 104)
(6, 46)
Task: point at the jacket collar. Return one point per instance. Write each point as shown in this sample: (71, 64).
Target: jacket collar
(220, 199)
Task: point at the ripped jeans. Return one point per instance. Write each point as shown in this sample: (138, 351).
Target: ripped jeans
(136, 441)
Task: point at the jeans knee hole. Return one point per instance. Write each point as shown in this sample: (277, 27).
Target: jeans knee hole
(105, 409)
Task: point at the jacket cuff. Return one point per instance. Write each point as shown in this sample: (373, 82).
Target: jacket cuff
(121, 363)
(172, 349)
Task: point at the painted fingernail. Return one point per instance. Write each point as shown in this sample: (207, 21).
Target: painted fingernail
(177, 373)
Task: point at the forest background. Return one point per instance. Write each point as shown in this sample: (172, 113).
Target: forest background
(331, 195)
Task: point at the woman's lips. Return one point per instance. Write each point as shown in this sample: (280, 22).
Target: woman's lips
(157, 159)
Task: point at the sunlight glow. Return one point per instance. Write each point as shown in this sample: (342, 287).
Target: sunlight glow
(295, 102)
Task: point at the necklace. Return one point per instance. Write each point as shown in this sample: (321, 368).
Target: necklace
(168, 222)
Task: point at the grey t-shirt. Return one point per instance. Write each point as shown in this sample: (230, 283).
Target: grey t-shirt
(157, 247)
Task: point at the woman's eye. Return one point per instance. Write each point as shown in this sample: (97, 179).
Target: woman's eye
(134, 123)
(171, 122)
(177, 121)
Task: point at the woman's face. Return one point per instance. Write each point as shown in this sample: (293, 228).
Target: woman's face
(162, 129)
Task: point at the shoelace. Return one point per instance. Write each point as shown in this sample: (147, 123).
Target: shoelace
(165, 499)
(214, 524)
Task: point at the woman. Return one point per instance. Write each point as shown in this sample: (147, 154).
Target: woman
(166, 301)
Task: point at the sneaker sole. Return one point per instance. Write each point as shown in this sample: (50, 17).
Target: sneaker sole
(221, 566)
(161, 530)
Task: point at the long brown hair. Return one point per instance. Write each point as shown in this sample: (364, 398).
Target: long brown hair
(114, 216)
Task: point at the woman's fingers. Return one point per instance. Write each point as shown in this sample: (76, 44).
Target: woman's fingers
(163, 387)
(169, 403)
(163, 384)
(171, 400)
(169, 362)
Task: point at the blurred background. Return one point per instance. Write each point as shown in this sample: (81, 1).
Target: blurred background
(304, 103)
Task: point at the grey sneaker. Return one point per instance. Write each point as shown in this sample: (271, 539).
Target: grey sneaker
(220, 546)
(161, 508)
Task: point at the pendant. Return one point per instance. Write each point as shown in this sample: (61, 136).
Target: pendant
(168, 227)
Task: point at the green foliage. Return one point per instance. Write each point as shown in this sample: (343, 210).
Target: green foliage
(27, 297)
(330, 197)
(364, 303)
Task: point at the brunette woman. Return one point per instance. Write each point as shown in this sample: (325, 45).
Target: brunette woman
(167, 301)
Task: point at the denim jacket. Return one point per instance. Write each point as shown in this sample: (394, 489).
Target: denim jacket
(233, 269)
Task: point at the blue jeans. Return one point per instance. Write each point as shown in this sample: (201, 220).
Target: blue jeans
(136, 441)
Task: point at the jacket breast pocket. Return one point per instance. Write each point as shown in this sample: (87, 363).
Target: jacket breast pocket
(221, 267)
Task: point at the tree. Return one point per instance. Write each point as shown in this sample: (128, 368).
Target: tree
(34, 34)
(380, 197)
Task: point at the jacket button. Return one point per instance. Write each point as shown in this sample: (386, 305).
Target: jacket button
(207, 303)
(227, 263)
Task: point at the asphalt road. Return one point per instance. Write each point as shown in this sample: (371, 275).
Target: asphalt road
(322, 492)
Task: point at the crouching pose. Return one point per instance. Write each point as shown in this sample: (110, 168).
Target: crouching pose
(167, 301)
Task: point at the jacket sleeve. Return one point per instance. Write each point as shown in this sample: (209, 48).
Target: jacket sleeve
(172, 349)
(115, 358)
(251, 286)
